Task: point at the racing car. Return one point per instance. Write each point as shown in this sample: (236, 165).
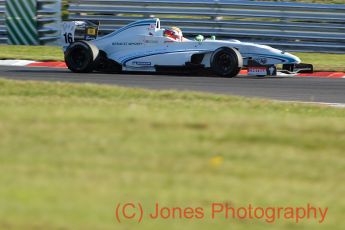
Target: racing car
(143, 46)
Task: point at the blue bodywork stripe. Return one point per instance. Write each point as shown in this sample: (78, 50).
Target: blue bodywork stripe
(148, 55)
(124, 62)
(271, 56)
(134, 24)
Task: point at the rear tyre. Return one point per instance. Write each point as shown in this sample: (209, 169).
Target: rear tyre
(82, 57)
(226, 62)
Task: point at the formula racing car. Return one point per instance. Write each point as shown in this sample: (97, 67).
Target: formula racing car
(144, 46)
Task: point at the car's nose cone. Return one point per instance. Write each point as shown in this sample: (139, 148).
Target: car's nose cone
(292, 58)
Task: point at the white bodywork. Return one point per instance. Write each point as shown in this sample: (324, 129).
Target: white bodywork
(140, 46)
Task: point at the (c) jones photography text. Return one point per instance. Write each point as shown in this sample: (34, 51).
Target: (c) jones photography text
(221, 211)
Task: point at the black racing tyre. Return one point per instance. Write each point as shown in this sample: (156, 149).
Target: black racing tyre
(82, 57)
(226, 62)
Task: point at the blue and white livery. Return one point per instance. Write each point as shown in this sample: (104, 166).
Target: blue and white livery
(143, 46)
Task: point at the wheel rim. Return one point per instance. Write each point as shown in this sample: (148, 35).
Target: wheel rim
(224, 62)
(79, 58)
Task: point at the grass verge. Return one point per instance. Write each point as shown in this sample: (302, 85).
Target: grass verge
(324, 62)
(36, 53)
(70, 153)
(321, 61)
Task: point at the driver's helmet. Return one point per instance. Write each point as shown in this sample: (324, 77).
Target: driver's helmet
(174, 33)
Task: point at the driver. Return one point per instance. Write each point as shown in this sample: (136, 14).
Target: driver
(174, 33)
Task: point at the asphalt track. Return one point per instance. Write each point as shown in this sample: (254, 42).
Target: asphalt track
(307, 89)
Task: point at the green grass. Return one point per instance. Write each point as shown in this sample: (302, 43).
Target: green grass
(324, 62)
(321, 61)
(39, 53)
(70, 153)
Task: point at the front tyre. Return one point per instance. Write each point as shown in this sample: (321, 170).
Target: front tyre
(82, 57)
(226, 62)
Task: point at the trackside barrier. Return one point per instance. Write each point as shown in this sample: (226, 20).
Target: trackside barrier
(21, 22)
(3, 31)
(49, 21)
(286, 25)
(29, 22)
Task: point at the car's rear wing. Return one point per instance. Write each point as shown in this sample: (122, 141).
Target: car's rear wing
(78, 30)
